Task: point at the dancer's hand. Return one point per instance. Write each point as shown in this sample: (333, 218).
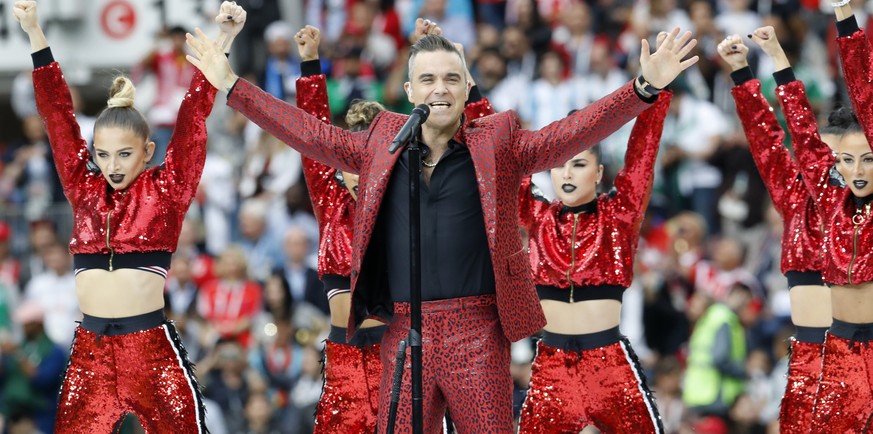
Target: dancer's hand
(25, 14)
(766, 38)
(208, 57)
(308, 39)
(230, 19)
(665, 64)
(734, 52)
(423, 28)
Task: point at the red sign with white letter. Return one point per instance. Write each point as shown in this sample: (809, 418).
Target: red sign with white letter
(118, 19)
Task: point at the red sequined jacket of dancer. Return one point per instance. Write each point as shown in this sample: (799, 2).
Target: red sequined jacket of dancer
(595, 247)
(332, 203)
(146, 216)
(502, 153)
(845, 243)
(802, 235)
(849, 224)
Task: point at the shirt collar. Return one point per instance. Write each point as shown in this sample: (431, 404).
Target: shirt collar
(454, 145)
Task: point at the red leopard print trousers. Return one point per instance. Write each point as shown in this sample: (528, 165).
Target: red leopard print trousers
(465, 368)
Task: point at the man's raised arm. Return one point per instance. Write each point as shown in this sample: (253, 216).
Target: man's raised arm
(313, 138)
(559, 141)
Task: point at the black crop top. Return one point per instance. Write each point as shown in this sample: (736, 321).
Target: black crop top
(153, 262)
(580, 293)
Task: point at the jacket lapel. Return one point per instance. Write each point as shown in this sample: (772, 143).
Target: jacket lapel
(484, 161)
(374, 183)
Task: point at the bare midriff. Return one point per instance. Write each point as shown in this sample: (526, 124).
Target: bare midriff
(119, 293)
(581, 317)
(340, 306)
(853, 303)
(811, 306)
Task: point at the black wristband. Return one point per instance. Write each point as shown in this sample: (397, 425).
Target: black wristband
(647, 87)
(784, 76)
(848, 26)
(42, 57)
(309, 68)
(475, 95)
(647, 97)
(742, 75)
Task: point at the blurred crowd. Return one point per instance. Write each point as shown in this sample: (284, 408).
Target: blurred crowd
(243, 287)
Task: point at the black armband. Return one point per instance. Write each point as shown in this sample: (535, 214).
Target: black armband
(309, 68)
(784, 76)
(848, 26)
(42, 57)
(742, 75)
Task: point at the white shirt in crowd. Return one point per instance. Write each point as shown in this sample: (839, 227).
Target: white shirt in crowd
(57, 296)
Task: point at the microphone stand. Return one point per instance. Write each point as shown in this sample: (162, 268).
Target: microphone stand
(414, 340)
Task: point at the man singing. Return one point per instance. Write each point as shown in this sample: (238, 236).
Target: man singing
(477, 290)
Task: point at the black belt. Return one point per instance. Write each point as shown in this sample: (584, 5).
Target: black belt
(123, 326)
(588, 341)
(854, 333)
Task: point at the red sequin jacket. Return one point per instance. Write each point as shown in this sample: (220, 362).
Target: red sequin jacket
(503, 153)
(332, 203)
(802, 235)
(146, 216)
(848, 247)
(844, 261)
(596, 248)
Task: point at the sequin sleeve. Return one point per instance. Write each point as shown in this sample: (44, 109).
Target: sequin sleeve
(531, 203)
(186, 151)
(551, 146)
(55, 106)
(634, 182)
(312, 98)
(478, 109)
(856, 60)
(307, 134)
(813, 155)
(765, 136)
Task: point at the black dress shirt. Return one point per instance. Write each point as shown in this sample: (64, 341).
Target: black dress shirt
(455, 258)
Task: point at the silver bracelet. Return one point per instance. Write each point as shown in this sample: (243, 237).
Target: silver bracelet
(840, 3)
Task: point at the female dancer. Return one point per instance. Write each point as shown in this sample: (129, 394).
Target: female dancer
(353, 368)
(126, 358)
(802, 239)
(844, 402)
(582, 252)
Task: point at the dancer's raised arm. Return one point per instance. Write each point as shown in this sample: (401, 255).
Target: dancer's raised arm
(857, 62)
(54, 103)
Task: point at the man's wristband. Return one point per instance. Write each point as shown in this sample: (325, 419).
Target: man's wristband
(840, 3)
(645, 89)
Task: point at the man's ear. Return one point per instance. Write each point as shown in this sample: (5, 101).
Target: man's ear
(408, 88)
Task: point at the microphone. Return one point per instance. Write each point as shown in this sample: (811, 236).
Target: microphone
(418, 116)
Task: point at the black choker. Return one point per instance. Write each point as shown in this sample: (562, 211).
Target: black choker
(588, 208)
(862, 201)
